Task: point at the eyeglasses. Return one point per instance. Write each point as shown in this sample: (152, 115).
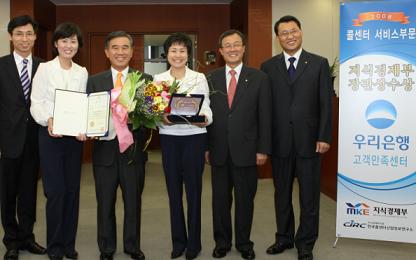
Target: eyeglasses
(286, 34)
(23, 34)
(235, 45)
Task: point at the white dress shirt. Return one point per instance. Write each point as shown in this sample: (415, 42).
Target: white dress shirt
(296, 55)
(193, 83)
(50, 76)
(237, 73)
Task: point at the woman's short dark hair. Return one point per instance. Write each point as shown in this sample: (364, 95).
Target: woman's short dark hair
(21, 21)
(231, 32)
(179, 38)
(286, 19)
(66, 30)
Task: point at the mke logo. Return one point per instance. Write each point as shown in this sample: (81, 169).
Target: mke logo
(358, 209)
(354, 224)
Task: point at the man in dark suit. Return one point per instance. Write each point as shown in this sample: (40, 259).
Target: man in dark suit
(301, 91)
(239, 140)
(113, 168)
(19, 155)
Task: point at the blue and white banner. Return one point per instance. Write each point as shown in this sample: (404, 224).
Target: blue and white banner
(377, 121)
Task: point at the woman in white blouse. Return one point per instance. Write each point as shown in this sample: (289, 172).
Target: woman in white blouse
(60, 156)
(183, 148)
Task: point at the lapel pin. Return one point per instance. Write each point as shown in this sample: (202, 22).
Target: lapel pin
(246, 80)
(306, 62)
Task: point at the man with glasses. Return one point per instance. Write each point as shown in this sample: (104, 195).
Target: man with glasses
(239, 139)
(19, 156)
(301, 94)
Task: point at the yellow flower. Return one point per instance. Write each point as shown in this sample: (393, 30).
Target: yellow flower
(157, 100)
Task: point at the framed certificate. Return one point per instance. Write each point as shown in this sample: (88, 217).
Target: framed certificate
(80, 113)
(185, 108)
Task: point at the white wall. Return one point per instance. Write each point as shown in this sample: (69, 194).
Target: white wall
(320, 24)
(4, 20)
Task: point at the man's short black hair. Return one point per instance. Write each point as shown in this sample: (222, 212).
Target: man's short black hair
(21, 21)
(178, 38)
(285, 19)
(117, 34)
(66, 30)
(231, 32)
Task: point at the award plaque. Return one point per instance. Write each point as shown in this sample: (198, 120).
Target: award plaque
(184, 109)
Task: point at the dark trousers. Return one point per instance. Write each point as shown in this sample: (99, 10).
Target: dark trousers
(243, 180)
(183, 163)
(130, 177)
(18, 178)
(60, 160)
(307, 171)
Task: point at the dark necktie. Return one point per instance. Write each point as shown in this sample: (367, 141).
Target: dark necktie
(291, 68)
(24, 78)
(231, 87)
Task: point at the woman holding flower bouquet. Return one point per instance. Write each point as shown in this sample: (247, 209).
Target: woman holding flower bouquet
(183, 148)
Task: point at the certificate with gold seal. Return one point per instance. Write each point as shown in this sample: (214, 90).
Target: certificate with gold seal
(80, 113)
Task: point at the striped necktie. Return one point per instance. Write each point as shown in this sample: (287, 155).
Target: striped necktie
(24, 78)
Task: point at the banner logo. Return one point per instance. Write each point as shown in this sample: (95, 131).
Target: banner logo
(381, 114)
(354, 224)
(361, 209)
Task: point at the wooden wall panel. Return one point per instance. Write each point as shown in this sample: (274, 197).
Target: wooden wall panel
(206, 21)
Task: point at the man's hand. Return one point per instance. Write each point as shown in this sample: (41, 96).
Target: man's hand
(207, 161)
(322, 147)
(261, 158)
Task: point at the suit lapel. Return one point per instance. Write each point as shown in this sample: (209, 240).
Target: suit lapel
(108, 83)
(218, 83)
(16, 84)
(12, 70)
(242, 85)
(281, 66)
(302, 64)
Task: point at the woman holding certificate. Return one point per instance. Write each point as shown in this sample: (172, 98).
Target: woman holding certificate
(183, 147)
(60, 156)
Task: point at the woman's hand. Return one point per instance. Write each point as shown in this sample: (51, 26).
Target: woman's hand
(81, 137)
(166, 120)
(50, 128)
(202, 124)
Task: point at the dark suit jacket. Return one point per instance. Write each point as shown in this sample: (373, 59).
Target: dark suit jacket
(16, 122)
(302, 106)
(105, 151)
(245, 129)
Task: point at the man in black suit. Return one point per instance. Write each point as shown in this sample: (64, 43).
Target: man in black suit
(19, 155)
(239, 140)
(301, 91)
(113, 168)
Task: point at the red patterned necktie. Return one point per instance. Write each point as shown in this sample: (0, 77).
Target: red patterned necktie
(231, 87)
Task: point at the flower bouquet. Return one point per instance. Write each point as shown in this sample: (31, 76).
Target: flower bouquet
(146, 102)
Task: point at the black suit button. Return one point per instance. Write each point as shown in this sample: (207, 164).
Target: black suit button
(291, 123)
